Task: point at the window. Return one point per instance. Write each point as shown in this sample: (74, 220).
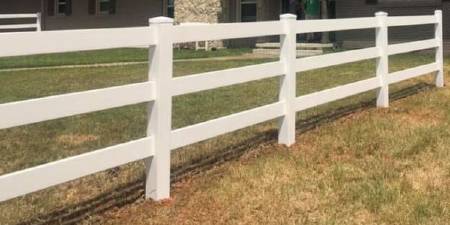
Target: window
(102, 7)
(248, 10)
(171, 8)
(106, 7)
(60, 7)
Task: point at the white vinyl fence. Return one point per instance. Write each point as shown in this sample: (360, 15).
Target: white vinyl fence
(197, 43)
(161, 87)
(13, 27)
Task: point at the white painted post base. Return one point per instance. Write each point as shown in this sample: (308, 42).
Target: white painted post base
(439, 50)
(38, 22)
(383, 60)
(287, 94)
(157, 184)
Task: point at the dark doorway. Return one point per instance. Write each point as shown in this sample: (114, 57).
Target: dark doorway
(296, 7)
(293, 7)
(285, 6)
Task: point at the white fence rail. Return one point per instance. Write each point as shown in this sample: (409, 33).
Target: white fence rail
(197, 44)
(161, 87)
(37, 25)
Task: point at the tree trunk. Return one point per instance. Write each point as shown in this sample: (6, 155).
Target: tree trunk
(324, 13)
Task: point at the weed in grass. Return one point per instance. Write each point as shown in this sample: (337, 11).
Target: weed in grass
(426, 208)
(373, 194)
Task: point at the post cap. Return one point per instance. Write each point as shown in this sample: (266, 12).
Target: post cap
(438, 11)
(288, 16)
(381, 13)
(160, 20)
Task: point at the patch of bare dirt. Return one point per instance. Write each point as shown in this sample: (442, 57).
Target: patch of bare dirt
(427, 177)
(75, 139)
(363, 217)
(419, 117)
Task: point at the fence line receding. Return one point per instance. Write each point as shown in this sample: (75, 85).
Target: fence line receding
(161, 87)
(20, 26)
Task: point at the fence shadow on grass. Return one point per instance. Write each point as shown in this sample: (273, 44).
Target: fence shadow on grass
(134, 191)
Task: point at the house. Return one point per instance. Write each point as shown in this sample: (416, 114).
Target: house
(262, 10)
(80, 14)
(364, 8)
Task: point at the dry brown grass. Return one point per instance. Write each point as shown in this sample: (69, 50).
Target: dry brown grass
(355, 170)
(75, 139)
(380, 166)
(428, 177)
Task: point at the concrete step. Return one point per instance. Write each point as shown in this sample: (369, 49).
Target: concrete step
(276, 52)
(274, 45)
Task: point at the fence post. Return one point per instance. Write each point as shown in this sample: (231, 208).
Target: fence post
(287, 93)
(159, 127)
(439, 49)
(383, 60)
(38, 22)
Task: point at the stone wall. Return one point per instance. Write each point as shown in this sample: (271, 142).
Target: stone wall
(204, 11)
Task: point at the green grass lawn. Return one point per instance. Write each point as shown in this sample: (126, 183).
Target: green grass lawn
(352, 168)
(108, 56)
